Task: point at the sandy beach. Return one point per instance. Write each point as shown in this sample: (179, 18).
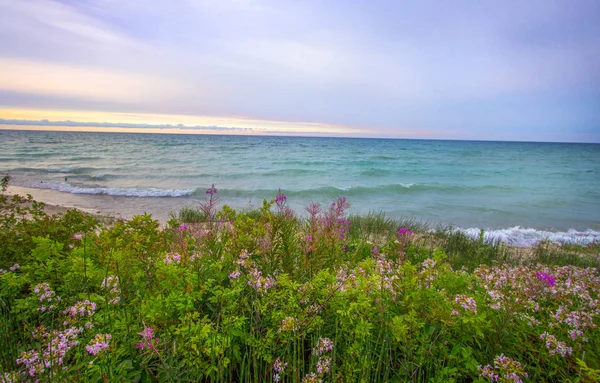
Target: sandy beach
(100, 205)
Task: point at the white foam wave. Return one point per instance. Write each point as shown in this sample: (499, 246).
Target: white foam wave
(121, 192)
(527, 237)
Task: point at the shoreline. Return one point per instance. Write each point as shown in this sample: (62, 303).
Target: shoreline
(105, 207)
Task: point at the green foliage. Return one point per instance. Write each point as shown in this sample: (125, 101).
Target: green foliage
(231, 298)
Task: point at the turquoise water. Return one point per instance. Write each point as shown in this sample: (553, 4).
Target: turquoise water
(502, 186)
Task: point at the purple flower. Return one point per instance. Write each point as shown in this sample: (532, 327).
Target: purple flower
(98, 344)
(550, 279)
(234, 275)
(182, 227)
(211, 190)
(405, 231)
(172, 258)
(77, 236)
(14, 267)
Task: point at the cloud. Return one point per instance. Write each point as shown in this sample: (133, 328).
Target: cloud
(379, 66)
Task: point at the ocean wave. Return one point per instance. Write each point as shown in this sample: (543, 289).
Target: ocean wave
(528, 237)
(118, 191)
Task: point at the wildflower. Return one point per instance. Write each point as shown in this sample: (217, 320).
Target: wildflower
(211, 190)
(172, 258)
(148, 339)
(182, 227)
(323, 345)
(288, 325)
(405, 231)
(281, 198)
(323, 365)
(81, 309)
(311, 378)
(466, 302)
(98, 344)
(111, 285)
(234, 275)
(260, 283)
(14, 267)
(308, 238)
(278, 368)
(555, 346)
(77, 236)
(45, 295)
(58, 344)
(550, 280)
(505, 369)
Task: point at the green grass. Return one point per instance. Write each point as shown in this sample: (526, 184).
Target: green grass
(189, 214)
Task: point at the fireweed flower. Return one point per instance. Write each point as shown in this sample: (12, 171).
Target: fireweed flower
(98, 344)
(405, 231)
(211, 190)
(148, 339)
(181, 228)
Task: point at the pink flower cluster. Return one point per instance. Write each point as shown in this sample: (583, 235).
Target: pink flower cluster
(46, 296)
(505, 370)
(181, 228)
(405, 231)
(111, 285)
(311, 378)
(98, 344)
(172, 258)
(14, 267)
(555, 346)
(386, 273)
(278, 369)
(324, 345)
(466, 302)
(81, 309)
(148, 339)
(58, 344)
(260, 283)
(550, 280)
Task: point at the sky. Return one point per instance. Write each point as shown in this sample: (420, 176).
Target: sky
(461, 69)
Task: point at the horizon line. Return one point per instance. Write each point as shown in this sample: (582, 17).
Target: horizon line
(180, 129)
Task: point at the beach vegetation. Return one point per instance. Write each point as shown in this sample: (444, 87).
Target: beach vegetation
(268, 295)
